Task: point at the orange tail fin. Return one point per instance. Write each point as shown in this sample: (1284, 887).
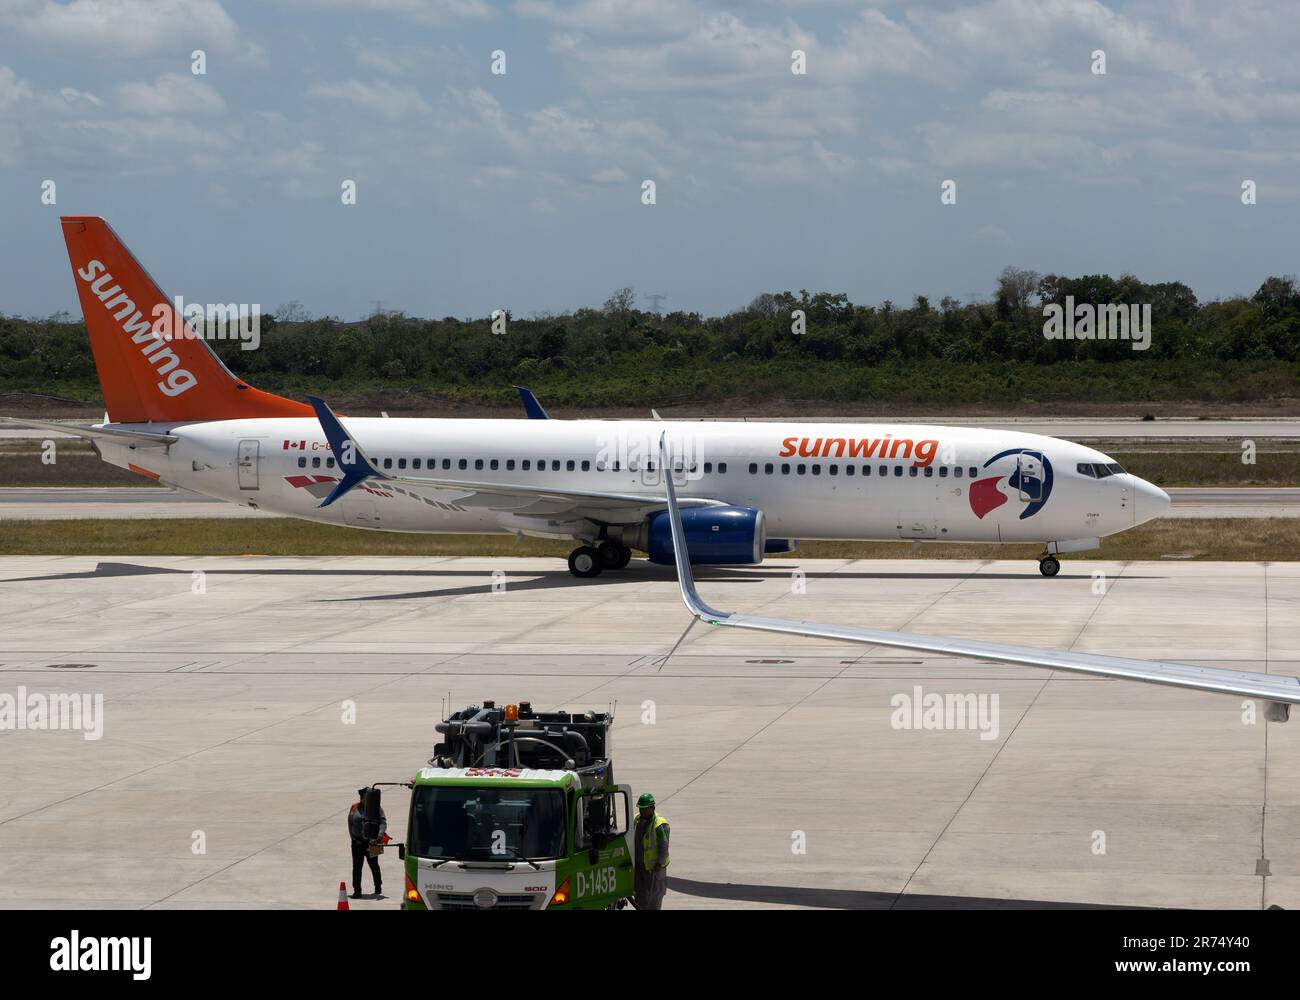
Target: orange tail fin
(151, 368)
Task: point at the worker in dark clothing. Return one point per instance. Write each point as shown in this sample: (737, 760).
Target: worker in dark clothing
(361, 846)
(651, 855)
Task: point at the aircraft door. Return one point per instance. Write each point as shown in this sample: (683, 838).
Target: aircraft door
(1029, 476)
(247, 464)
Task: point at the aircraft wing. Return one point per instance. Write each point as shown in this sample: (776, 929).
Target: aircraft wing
(517, 498)
(143, 439)
(1278, 691)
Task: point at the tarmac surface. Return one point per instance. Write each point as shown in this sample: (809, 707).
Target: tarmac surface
(150, 502)
(226, 762)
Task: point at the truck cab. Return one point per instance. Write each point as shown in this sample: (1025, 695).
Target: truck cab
(518, 810)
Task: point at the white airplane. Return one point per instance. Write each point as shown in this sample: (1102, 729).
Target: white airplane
(1278, 692)
(176, 414)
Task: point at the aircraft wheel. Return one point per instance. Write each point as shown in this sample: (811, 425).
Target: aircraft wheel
(1049, 565)
(614, 555)
(584, 562)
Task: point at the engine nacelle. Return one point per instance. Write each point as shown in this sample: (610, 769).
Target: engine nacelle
(715, 536)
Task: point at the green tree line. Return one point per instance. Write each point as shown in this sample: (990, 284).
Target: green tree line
(985, 351)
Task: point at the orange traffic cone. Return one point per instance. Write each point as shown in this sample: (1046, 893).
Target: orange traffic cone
(343, 896)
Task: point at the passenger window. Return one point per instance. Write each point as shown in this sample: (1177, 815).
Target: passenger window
(463, 463)
(911, 471)
(722, 467)
(555, 465)
(767, 469)
(957, 472)
(586, 465)
(708, 467)
(302, 461)
(884, 470)
(569, 465)
(834, 470)
(525, 464)
(401, 463)
(929, 471)
(478, 463)
(785, 468)
(974, 472)
(753, 468)
(388, 463)
(848, 470)
(415, 463)
(329, 462)
(943, 472)
(801, 469)
(816, 469)
(494, 465)
(315, 463)
(510, 465)
(898, 470)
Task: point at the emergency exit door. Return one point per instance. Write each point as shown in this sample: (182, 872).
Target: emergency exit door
(247, 465)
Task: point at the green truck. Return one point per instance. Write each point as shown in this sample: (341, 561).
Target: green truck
(518, 810)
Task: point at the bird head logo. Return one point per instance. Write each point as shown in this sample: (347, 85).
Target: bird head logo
(1027, 472)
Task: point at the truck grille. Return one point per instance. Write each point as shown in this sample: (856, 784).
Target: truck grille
(504, 901)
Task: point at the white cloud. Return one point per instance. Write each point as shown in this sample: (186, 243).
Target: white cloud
(170, 94)
(663, 17)
(377, 97)
(121, 29)
(388, 58)
(436, 13)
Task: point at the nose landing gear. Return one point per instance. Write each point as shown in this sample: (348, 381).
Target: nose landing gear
(1049, 565)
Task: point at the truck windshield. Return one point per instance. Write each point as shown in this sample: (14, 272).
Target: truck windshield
(487, 824)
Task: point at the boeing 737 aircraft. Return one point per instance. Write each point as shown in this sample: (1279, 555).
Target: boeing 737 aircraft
(176, 414)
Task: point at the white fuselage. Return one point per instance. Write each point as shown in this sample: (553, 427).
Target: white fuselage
(830, 481)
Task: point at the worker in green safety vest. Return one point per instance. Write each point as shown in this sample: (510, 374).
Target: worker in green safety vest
(651, 840)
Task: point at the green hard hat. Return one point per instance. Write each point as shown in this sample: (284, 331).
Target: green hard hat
(646, 801)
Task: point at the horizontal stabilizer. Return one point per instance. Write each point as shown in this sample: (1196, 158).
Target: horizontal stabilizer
(144, 439)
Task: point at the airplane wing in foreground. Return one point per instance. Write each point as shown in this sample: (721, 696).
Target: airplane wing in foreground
(1279, 692)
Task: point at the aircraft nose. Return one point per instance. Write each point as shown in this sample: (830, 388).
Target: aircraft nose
(1149, 501)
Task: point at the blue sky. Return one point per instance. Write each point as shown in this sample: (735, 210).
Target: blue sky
(523, 191)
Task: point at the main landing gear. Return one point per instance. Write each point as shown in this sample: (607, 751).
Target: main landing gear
(1049, 565)
(587, 561)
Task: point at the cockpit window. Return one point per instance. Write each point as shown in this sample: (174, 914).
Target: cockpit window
(1086, 469)
(1100, 470)
(1116, 469)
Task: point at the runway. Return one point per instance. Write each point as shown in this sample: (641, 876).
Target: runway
(227, 761)
(58, 503)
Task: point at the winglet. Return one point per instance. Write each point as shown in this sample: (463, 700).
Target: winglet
(352, 460)
(685, 580)
(531, 406)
